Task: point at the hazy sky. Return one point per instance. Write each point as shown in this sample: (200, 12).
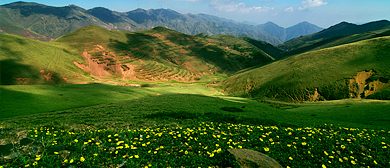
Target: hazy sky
(285, 13)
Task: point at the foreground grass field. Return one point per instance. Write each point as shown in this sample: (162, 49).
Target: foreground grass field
(32, 99)
(173, 125)
(205, 145)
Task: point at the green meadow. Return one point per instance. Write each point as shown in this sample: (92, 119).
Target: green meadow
(171, 122)
(173, 125)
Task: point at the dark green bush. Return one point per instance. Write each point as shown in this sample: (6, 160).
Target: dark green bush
(382, 95)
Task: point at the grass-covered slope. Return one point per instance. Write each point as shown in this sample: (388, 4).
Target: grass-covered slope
(352, 70)
(159, 53)
(27, 61)
(339, 40)
(332, 33)
(266, 47)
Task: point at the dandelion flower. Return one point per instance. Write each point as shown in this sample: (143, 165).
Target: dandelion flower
(82, 159)
(290, 158)
(266, 149)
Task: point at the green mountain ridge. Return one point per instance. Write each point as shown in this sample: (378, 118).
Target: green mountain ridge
(340, 30)
(52, 22)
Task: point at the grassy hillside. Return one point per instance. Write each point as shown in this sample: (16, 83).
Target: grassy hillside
(244, 47)
(27, 61)
(340, 30)
(266, 47)
(160, 53)
(352, 70)
(339, 40)
(94, 53)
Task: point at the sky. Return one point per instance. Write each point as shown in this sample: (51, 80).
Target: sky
(285, 13)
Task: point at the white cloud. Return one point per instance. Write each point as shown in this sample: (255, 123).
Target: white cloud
(312, 3)
(290, 9)
(233, 5)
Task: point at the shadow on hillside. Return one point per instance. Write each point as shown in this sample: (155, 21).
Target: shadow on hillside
(137, 43)
(310, 47)
(141, 45)
(12, 73)
(31, 9)
(211, 53)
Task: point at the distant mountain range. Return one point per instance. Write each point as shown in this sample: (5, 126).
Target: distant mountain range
(46, 23)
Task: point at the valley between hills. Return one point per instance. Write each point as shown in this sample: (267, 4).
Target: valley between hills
(158, 97)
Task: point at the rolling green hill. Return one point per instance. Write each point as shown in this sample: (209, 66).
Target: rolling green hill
(332, 33)
(339, 40)
(27, 61)
(160, 53)
(353, 70)
(266, 47)
(94, 53)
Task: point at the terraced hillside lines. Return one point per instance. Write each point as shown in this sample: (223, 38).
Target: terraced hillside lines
(190, 56)
(155, 71)
(102, 64)
(327, 73)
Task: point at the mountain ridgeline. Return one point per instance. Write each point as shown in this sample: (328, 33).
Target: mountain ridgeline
(46, 23)
(338, 34)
